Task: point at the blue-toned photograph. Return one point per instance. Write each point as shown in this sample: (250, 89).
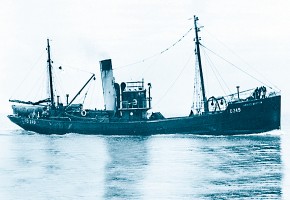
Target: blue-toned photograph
(144, 100)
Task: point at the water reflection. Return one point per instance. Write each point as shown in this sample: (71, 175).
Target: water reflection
(53, 167)
(125, 170)
(73, 166)
(213, 167)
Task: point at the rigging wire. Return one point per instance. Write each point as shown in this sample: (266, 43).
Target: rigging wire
(243, 60)
(37, 90)
(216, 73)
(197, 104)
(57, 82)
(154, 55)
(235, 66)
(91, 95)
(26, 75)
(85, 95)
(71, 67)
(173, 83)
(147, 67)
(40, 90)
(58, 79)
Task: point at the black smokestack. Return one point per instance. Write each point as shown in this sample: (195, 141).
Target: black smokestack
(106, 65)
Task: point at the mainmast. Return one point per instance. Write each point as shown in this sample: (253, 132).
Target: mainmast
(199, 64)
(50, 75)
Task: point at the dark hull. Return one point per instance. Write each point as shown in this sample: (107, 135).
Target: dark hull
(239, 118)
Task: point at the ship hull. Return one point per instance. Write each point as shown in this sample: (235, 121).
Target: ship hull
(244, 117)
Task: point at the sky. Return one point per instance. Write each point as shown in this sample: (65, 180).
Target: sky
(253, 34)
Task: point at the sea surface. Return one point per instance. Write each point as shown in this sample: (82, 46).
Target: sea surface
(73, 166)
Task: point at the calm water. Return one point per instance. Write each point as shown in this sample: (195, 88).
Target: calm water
(74, 166)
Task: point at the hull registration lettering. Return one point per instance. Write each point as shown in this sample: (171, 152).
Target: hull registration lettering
(235, 110)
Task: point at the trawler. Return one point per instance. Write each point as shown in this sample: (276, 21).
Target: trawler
(127, 105)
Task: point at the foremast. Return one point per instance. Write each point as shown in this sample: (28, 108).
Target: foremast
(50, 76)
(204, 100)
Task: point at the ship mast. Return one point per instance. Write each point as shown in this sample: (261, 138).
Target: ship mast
(199, 65)
(50, 75)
